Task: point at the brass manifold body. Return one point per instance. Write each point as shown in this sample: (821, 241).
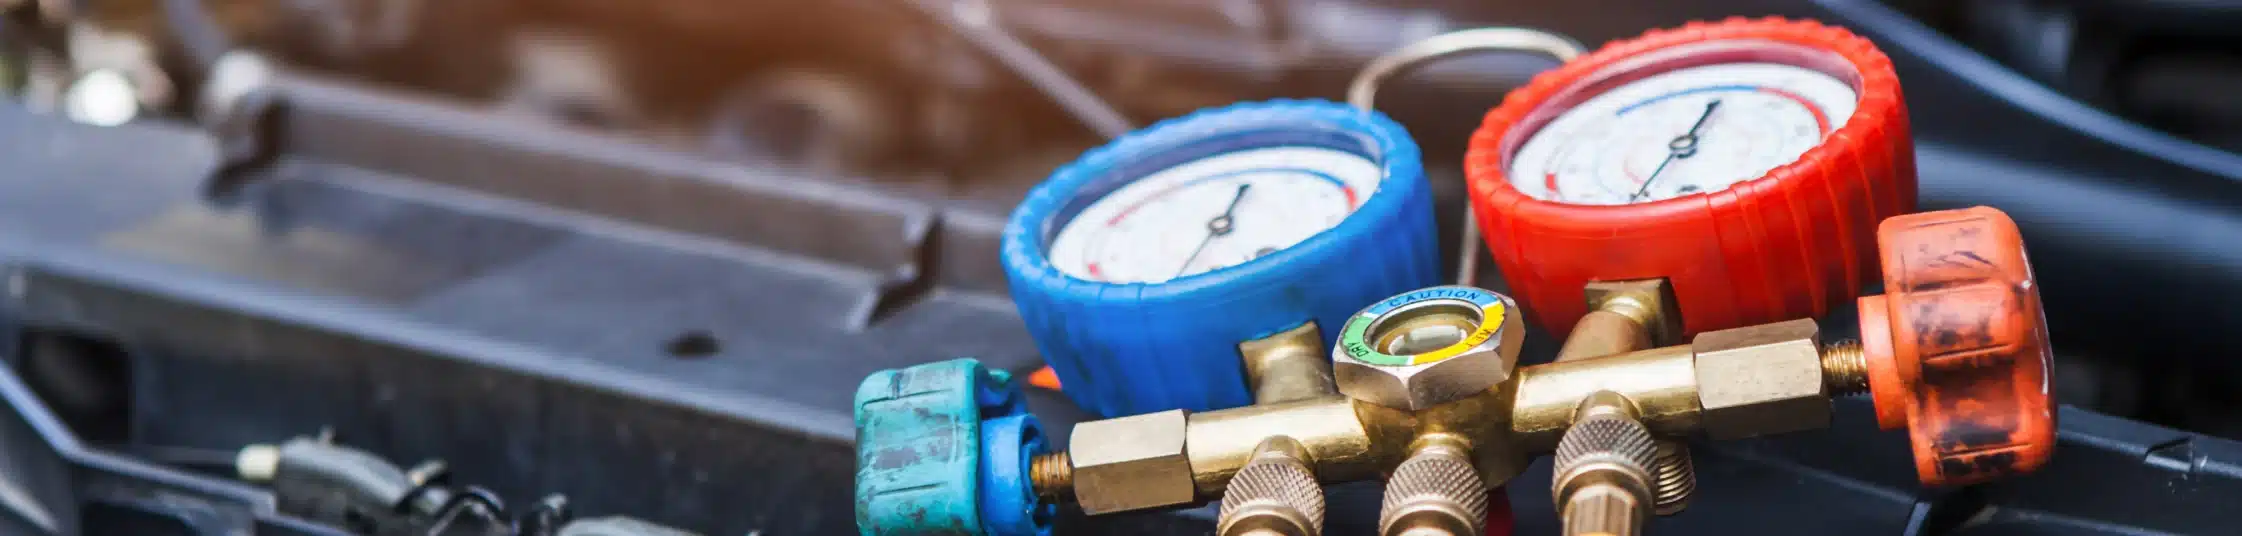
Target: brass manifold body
(1630, 399)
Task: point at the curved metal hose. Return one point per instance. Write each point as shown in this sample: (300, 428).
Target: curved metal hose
(1363, 92)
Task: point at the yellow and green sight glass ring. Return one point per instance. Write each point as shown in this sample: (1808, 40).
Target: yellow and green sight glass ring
(1357, 341)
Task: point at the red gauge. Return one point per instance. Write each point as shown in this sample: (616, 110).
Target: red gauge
(1746, 161)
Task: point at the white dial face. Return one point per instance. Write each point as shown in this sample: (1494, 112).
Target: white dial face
(1213, 212)
(1698, 129)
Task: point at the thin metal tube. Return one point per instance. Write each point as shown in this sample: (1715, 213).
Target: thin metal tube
(1363, 92)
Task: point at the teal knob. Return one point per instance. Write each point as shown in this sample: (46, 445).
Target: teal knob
(944, 448)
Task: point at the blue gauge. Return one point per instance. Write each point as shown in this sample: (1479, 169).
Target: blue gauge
(1140, 267)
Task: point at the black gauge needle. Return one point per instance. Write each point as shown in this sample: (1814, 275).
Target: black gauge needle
(1682, 146)
(1220, 225)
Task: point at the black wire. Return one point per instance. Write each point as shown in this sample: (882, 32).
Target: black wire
(182, 456)
(475, 500)
(197, 32)
(485, 508)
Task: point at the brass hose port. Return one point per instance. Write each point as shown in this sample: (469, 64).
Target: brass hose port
(1288, 366)
(1428, 347)
(1603, 475)
(1436, 492)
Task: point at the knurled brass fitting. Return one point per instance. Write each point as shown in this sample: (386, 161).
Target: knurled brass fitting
(1603, 478)
(1844, 368)
(1436, 492)
(1052, 475)
(1273, 495)
(1673, 477)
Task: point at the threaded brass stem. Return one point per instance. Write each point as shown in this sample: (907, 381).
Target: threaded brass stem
(1052, 475)
(1844, 368)
(1673, 478)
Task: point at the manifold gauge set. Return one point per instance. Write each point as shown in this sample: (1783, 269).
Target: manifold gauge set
(1253, 296)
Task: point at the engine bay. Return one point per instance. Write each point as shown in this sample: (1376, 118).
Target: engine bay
(639, 254)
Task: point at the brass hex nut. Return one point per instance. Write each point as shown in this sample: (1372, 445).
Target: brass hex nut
(1763, 379)
(1428, 347)
(1131, 463)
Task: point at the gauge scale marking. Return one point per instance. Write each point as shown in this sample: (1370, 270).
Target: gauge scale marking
(1693, 130)
(1213, 212)
(1356, 335)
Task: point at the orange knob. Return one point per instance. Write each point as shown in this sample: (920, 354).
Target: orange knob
(1957, 346)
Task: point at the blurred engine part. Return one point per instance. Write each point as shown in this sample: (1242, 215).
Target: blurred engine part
(863, 87)
(2173, 65)
(318, 480)
(969, 96)
(831, 119)
(867, 88)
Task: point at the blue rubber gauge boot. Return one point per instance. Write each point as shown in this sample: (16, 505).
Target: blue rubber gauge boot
(944, 448)
(1140, 267)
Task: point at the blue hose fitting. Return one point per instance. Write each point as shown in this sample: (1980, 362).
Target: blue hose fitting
(944, 448)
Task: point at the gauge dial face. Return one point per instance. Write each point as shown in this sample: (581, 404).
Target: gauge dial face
(1214, 212)
(1680, 132)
